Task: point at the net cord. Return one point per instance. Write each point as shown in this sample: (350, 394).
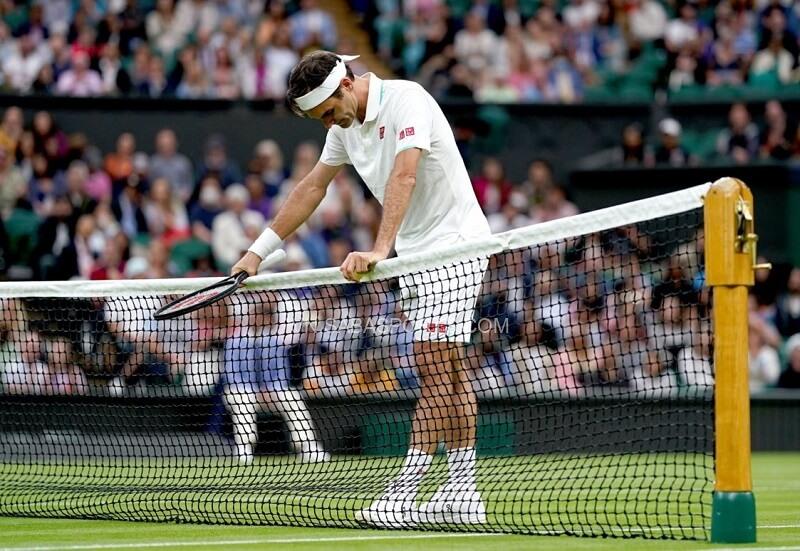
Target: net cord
(589, 222)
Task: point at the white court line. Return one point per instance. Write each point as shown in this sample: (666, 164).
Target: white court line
(711, 547)
(258, 541)
(267, 541)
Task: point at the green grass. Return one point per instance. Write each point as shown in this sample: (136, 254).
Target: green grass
(777, 488)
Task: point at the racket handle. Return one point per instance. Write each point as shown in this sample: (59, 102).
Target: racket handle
(275, 257)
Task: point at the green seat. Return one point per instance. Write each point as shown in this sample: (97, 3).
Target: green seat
(599, 94)
(632, 91)
(689, 93)
(184, 253)
(22, 227)
(497, 118)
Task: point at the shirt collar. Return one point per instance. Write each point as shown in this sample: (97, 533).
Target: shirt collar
(374, 97)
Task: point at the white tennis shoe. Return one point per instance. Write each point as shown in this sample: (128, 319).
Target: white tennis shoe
(312, 452)
(392, 510)
(453, 503)
(245, 453)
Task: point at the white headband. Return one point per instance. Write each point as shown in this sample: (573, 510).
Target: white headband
(322, 92)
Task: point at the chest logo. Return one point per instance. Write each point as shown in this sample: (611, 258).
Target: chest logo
(381, 131)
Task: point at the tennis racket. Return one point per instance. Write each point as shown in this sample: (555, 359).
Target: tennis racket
(213, 293)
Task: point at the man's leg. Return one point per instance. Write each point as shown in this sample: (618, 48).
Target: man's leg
(428, 427)
(458, 501)
(242, 403)
(289, 404)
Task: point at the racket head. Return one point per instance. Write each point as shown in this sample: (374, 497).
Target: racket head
(201, 298)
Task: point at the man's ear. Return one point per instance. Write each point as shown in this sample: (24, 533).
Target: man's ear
(346, 83)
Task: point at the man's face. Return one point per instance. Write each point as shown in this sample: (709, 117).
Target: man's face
(340, 111)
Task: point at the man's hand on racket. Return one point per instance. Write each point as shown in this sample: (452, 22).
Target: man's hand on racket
(358, 263)
(248, 263)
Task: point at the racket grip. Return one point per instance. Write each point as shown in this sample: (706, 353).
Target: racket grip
(275, 257)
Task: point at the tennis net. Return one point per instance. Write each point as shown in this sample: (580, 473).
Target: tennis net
(292, 402)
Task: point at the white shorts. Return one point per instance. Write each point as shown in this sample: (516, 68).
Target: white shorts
(440, 302)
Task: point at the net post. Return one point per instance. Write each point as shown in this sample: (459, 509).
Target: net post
(730, 262)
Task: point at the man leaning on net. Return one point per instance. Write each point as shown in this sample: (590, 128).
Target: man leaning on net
(400, 143)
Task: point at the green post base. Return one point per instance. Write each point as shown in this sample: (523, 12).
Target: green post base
(733, 517)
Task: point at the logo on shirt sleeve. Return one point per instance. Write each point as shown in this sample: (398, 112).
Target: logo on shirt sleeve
(380, 132)
(407, 132)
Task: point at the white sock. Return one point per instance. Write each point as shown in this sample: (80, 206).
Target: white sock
(461, 464)
(414, 468)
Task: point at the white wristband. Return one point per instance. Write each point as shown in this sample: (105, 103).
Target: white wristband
(267, 243)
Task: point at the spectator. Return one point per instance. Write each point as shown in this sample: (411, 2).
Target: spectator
(633, 151)
(787, 311)
(764, 364)
(683, 32)
(670, 151)
(168, 163)
(216, 161)
(257, 374)
(772, 66)
(280, 58)
(24, 65)
(790, 378)
(66, 377)
(27, 373)
(647, 20)
(532, 361)
(13, 187)
(206, 209)
(776, 135)
(269, 164)
(78, 258)
(153, 83)
(236, 228)
(259, 201)
(81, 80)
(195, 84)
(11, 129)
(685, 72)
(554, 205)
(475, 45)
(149, 347)
(740, 140)
(119, 165)
(223, 78)
(312, 28)
(492, 188)
(165, 213)
(76, 179)
(128, 210)
(512, 215)
(165, 31)
(111, 263)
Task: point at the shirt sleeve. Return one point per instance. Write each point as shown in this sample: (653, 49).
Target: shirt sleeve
(412, 121)
(334, 152)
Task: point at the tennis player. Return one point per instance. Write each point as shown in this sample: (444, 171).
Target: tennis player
(399, 141)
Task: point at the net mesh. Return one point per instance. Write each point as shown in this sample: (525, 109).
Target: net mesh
(577, 368)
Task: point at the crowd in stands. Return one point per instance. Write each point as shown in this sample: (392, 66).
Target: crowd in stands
(612, 310)
(742, 141)
(190, 49)
(568, 50)
(487, 50)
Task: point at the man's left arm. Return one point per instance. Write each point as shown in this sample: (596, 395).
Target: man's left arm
(402, 181)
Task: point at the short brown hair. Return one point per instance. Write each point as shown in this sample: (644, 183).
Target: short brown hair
(309, 73)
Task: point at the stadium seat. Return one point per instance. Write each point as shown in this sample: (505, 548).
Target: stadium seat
(184, 253)
(21, 227)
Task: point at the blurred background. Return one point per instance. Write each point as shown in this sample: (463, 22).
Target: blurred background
(149, 139)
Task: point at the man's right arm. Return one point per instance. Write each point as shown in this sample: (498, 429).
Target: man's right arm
(302, 201)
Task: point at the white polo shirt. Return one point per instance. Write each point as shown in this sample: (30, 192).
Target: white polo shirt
(400, 115)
